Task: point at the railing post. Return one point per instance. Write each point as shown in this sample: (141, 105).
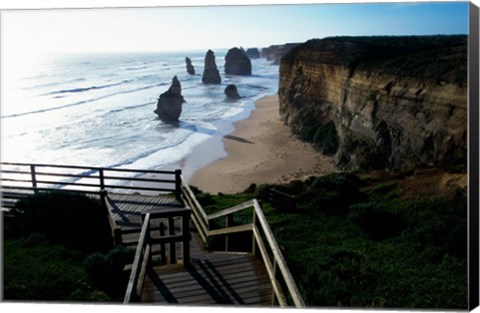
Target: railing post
(102, 179)
(178, 184)
(186, 239)
(254, 241)
(228, 223)
(171, 232)
(163, 255)
(34, 178)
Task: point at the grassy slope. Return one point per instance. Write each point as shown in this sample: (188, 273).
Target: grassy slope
(346, 257)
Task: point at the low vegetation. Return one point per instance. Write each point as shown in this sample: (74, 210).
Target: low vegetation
(323, 137)
(353, 242)
(51, 253)
(438, 57)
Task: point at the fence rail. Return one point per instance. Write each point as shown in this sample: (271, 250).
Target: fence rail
(23, 176)
(143, 254)
(264, 245)
(16, 178)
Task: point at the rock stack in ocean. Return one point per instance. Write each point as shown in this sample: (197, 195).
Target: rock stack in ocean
(169, 105)
(253, 53)
(237, 62)
(210, 72)
(190, 68)
(232, 92)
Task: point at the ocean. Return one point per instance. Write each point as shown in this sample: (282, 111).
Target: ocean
(97, 109)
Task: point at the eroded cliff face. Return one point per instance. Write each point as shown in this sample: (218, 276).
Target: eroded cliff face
(375, 106)
(276, 52)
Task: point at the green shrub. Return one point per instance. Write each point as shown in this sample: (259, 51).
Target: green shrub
(69, 219)
(41, 271)
(331, 193)
(88, 296)
(341, 279)
(204, 198)
(440, 223)
(325, 138)
(309, 132)
(376, 221)
(106, 270)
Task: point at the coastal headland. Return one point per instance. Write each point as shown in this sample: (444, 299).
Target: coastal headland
(261, 150)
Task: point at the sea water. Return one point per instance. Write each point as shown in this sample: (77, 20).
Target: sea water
(97, 109)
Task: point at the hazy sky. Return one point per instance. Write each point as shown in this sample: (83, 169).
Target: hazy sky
(189, 28)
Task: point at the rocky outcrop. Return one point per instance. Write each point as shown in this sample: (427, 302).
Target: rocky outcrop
(276, 52)
(237, 62)
(190, 68)
(169, 105)
(379, 102)
(210, 72)
(232, 92)
(253, 53)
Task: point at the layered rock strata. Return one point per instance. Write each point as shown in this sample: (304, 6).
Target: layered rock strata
(190, 68)
(210, 72)
(169, 104)
(237, 62)
(379, 102)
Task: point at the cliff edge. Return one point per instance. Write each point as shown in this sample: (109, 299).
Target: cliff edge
(379, 102)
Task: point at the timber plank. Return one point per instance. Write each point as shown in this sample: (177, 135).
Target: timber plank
(252, 283)
(188, 278)
(204, 274)
(214, 278)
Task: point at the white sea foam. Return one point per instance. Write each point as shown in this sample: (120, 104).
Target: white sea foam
(97, 110)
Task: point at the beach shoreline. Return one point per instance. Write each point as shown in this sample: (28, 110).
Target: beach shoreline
(260, 150)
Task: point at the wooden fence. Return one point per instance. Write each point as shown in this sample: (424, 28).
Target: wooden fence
(18, 177)
(264, 245)
(143, 254)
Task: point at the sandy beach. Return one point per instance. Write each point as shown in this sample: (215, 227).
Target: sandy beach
(261, 150)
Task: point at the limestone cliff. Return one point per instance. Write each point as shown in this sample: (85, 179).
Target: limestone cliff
(276, 52)
(379, 102)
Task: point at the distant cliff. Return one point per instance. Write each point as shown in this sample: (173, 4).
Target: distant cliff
(379, 102)
(276, 52)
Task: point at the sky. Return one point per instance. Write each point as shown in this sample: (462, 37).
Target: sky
(198, 28)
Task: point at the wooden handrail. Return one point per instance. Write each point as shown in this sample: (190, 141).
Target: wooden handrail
(199, 217)
(95, 168)
(278, 256)
(278, 261)
(237, 208)
(143, 253)
(42, 176)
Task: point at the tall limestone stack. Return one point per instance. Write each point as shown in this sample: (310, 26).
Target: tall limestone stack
(210, 72)
(237, 62)
(379, 102)
(190, 68)
(253, 53)
(169, 105)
